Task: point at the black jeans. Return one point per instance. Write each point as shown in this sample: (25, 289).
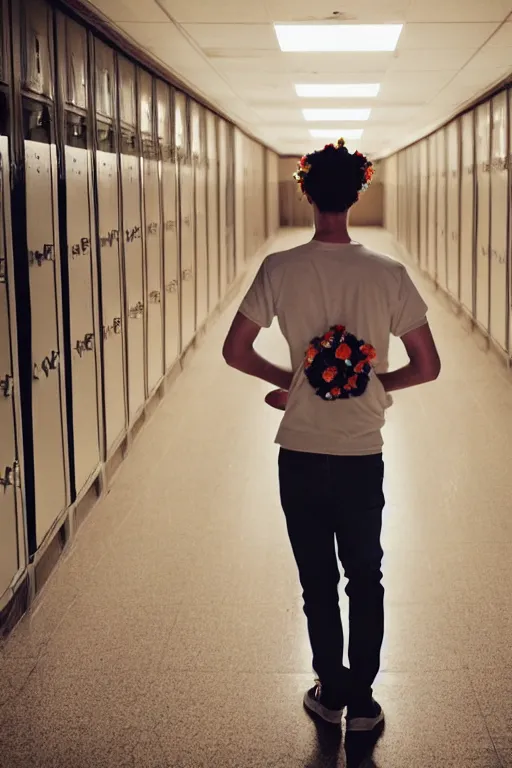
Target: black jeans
(328, 499)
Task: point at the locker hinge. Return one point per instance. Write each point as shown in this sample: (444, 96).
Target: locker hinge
(6, 385)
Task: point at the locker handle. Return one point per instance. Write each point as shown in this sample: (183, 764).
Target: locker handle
(155, 297)
(172, 287)
(89, 341)
(117, 325)
(6, 479)
(137, 310)
(187, 274)
(6, 385)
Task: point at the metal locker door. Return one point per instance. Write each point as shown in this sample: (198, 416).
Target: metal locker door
(432, 207)
(483, 207)
(223, 214)
(12, 558)
(239, 189)
(199, 161)
(414, 202)
(213, 211)
(109, 226)
(230, 203)
(170, 226)
(453, 207)
(467, 212)
(499, 320)
(187, 236)
(42, 243)
(78, 229)
(132, 237)
(442, 266)
(272, 193)
(152, 233)
(423, 210)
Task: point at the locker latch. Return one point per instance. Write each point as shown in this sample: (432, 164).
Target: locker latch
(117, 325)
(11, 476)
(3, 274)
(187, 274)
(172, 287)
(154, 297)
(6, 385)
(170, 226)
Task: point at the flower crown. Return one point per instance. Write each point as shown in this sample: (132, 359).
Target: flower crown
(304, 165)
(338, 364)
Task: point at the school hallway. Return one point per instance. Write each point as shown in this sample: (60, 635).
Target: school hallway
(171, 634)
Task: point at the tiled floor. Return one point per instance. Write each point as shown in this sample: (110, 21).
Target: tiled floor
(172, 636)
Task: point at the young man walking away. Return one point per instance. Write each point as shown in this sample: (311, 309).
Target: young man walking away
(337, 304)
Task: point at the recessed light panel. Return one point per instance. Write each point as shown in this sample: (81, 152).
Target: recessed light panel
(341, 91)
(338, 115)
(330, 133)
(300, 38)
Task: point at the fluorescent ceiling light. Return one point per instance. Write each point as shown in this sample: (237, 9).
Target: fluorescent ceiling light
(341, 115)
(337, 37)
(330, 133)
(341, 91)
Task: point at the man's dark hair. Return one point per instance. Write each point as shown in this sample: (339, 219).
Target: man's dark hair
(335, 178)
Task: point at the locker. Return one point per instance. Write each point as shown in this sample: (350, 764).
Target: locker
(413, 197)
(239, 200)
(187, 235)
(442, 190)
(152, 233)
(402, 209)
(230, 201)
(258, 180)
(483, 208)
(40, 246)
(213, 210)
(77, 228)
(224, 266)
(272, 201)
(132, 242)
(170, 226)
(467, 212)
(391, 192)
(12, 554)
(200, 201)
(108, 240)
(499, 179)
(453, 207)
(423, 205)
(432, 207)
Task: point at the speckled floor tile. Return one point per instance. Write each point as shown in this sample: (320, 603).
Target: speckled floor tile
(172, 634)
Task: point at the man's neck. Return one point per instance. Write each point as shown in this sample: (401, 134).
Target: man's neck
(331, 228)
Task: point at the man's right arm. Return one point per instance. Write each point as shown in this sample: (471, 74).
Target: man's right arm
(424, 363)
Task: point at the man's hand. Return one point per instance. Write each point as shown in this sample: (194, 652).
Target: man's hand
(424, 365)
(278, 398)
(239, 353)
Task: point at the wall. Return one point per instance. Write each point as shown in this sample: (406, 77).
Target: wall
(296, 212)
(128, 214)
(448, 204)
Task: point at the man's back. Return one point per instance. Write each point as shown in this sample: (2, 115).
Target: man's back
(312, 288)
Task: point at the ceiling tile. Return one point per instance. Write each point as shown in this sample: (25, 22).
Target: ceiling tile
(446, 36)
(362, 11)
(205, 11)
(431, 59)
(246, 36)
(457, 11)
(314, 64)
(130, 10)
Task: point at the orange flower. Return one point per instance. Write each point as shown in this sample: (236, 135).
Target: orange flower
(360, 366)
(329, 374)
(369, 351)
(336, 392)
(343, 352)
(353, 382)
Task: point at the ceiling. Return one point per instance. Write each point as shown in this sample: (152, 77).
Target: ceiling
(449, 52)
